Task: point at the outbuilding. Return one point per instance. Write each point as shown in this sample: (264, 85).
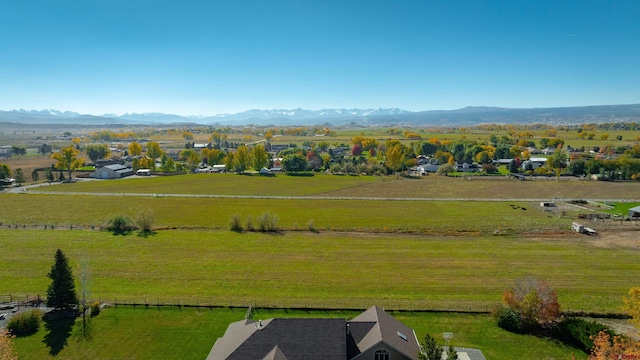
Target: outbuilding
(634, 213)
(115, 171)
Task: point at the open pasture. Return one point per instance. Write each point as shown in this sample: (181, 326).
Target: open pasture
(478, 188)
(170, 333)
(185, 212)
(333, 270)
(427, 187)
(220, 184)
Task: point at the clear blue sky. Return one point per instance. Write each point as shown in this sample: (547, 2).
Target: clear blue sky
(219, 56)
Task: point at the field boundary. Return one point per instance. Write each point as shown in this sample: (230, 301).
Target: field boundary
(29, 301)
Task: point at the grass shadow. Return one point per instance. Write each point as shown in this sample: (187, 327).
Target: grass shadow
(59, 325)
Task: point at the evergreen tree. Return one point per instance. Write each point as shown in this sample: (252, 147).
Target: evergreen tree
(430, 349)
(61, 293)
(452, 354)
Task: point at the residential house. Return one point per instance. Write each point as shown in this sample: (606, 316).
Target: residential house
(427, 168)
(533, 163)
(466, 167)
(374, 334)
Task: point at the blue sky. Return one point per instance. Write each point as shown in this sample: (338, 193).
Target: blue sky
(210, 57)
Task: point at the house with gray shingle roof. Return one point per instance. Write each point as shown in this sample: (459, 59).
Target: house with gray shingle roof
(374, 334)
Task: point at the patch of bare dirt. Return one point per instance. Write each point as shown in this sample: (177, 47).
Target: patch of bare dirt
(620, 326)
(606, 238)
(617, 239)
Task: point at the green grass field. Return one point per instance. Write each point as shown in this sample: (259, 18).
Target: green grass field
(399, 254)
(319, 270)
(221, 184)
(170, 333)
(621, 209)
(437, 217)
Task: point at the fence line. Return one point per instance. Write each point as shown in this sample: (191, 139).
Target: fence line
(19, 301)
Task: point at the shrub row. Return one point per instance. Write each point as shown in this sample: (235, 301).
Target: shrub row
(265, 223)
(121, 224)
(572, 331)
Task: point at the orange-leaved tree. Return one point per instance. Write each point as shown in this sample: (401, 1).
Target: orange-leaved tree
(7, 351)
(530, 304)
(606, 347)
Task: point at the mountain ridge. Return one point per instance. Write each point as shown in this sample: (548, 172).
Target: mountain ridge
(470, 115)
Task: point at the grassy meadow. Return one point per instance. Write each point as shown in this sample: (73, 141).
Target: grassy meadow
(395, 243)
(333, 270)
(188, 333)
(437, 217)
(427, 187)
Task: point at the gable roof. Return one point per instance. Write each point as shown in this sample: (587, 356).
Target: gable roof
(375, 326)
(304, 338)
(275, 354)
(290, 339)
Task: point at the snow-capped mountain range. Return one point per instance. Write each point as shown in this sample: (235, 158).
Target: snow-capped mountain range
(471, 115)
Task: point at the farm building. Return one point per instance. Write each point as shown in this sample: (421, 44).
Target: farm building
(5, 152)
(115, 171)
(374, 334)
(634, 213)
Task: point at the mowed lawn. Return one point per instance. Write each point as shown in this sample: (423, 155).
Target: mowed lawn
(221, 184)
(171, 333)
(428, 187)
(480, 187)
(332, 270)
(437, 217)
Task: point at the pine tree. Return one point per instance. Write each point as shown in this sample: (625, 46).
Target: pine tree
(61, 293)
(430, 349)
(452, 354)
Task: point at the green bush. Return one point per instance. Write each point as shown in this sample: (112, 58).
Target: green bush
(311, 225)
(268, 223)
(145, 221)
(120, 225)
(250, 224)
(577, 332)
(235, 223)
(25, 323)
(95, 308)
(508, 319)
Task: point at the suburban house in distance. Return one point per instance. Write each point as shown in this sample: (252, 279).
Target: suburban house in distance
(372, 335)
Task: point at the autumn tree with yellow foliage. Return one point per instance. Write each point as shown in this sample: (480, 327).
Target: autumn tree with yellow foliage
(67, 159)
(606, 347)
